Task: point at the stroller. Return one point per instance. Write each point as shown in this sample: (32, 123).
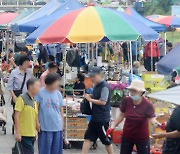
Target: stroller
(3, 116)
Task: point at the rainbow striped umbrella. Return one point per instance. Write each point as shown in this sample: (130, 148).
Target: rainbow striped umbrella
(94, 24)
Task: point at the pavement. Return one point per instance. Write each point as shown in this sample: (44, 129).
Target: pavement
(7, 141)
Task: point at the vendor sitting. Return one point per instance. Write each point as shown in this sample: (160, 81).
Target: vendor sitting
(136, 68)
(79, 84)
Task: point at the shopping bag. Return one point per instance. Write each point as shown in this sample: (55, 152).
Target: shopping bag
(17, 149)
(85, 107)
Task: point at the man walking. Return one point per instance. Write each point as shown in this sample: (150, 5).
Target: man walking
(26, 116)
(100, 112)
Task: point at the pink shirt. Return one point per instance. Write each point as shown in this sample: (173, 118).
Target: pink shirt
(42, 78)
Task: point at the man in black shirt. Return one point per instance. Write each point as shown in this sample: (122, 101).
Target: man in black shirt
(100, 118)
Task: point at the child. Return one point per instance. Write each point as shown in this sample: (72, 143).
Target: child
(50, 122)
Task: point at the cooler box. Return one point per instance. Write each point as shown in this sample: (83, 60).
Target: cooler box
(117, 136)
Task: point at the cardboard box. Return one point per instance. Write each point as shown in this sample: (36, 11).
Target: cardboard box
(76, 119)
(76, 133)
(157, 89)
(77, 125)
(161, 107)
(154, 80)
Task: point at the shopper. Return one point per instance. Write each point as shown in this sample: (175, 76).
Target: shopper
(136, 68)
(51, 58)
(137, 112)
(79, 84)
(125, 54)
(100, 118)
(18, 78)
(50, 121)
(52, 68)
(26, 116)
(172, 135)
(24, 52)
(42, 57)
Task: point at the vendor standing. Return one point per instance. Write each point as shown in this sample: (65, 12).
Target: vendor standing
(137, 112)
(172, 135)
(100, 118)
(79, 85)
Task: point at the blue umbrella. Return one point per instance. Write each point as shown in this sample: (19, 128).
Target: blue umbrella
(69, 6)
(170, 61)
(45, 10)
(156, 26)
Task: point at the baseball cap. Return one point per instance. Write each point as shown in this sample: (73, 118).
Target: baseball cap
(94, 71)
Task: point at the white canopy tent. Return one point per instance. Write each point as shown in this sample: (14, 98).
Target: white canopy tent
(171, 95)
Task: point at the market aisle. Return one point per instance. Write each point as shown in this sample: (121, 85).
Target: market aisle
(7, 141)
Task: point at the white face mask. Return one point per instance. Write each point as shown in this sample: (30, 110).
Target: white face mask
(135, 97)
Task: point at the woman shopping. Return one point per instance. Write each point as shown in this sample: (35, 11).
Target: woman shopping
(137, 112)
(18, 78)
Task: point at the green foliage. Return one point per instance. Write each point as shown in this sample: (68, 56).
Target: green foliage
(162, 7)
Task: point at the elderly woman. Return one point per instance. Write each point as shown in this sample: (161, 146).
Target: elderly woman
(137, 112)
(18, 78)
(172, 134)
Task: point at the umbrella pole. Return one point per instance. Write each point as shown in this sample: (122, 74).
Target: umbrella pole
(92, 53)
(64, 74)
(131, 58)
(7, 46)
(165, 47)
(151, 57)
(14, 43)
(136, 50)
(96, 51)
(88, 52)
(105, 51)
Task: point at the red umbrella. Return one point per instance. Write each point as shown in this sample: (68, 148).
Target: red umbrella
(6, 17)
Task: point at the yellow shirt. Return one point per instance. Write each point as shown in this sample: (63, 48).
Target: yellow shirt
(28, 116)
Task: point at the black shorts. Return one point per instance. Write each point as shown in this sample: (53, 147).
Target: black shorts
(98, 130)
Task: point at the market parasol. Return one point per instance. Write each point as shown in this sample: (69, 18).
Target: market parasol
(171, 95)
(170, 61)
(94, 24)
(154, 16)
(6, 17)
(47, 9)
(154, 25)
(169, 21)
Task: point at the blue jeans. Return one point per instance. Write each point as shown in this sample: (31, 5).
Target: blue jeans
(127, 147)
(50, 142)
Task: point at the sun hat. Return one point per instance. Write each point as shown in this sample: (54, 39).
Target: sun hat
(137, 85)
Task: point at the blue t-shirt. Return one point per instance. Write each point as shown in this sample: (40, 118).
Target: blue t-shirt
(49, 110)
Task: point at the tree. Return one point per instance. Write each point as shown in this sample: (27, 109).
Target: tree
(158, 7)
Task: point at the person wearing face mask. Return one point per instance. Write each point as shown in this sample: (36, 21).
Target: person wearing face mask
(137, 111)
